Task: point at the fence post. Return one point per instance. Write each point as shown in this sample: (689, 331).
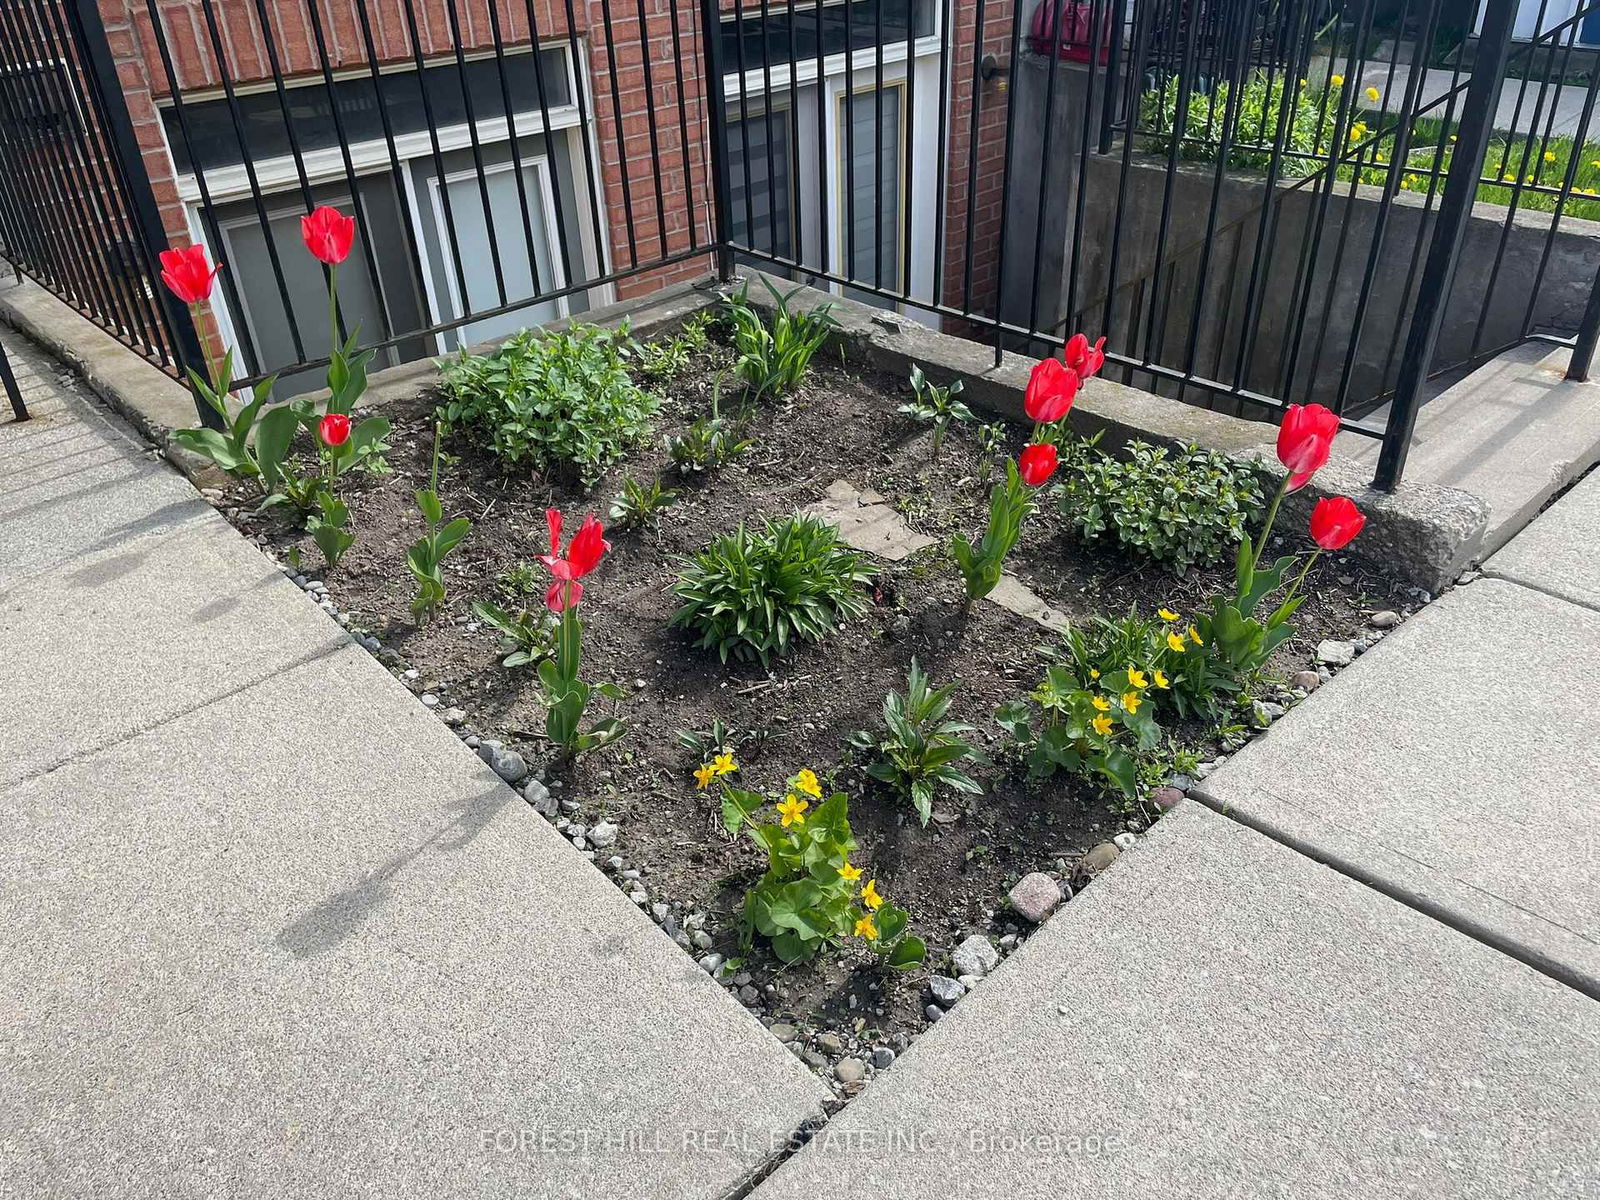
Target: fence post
(89, 29)
(717, 114)
(1455, 209)
(1588, 334)
(13, 393)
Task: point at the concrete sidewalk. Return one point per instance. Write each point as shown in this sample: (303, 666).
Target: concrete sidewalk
(269, 930)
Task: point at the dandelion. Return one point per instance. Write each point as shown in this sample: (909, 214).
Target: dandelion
(1131, 701)
(1175, 642)
(806, 782)
(869, 895)
(866, 929)
(793, 810)
(1102, 725)
(703, 775)
(1336, 80)
(1549, 156)
(723, 764)
(1372, 95)
(1161, 679)
(1166, 614)
(1136, 678)
(1453, 137)
(849, 874)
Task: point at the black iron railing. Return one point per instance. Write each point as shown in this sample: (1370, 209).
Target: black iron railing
(1257, 202)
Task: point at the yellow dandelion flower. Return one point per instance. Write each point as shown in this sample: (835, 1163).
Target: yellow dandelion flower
(1102, 703)
(849, 874)
(1166, 614)
(869, 895)
(1175, 642)
(1161, 679)
(806, 782)
(1131, 701)
(723, 764)
(1372, 95)
(1136, 678)
(703, 775)
(1102, 725)
(793, 810)
(1549, 156)
(866, 929)
(1336, 80)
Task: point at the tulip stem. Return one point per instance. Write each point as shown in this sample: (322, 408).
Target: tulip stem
(333, 309)
(1266, 530)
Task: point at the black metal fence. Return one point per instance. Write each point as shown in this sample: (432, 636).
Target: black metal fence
(1257, 202)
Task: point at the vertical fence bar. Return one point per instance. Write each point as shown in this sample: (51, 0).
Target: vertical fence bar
(1460, 192)
(8, 381)
(717, 114)
(1588, 335)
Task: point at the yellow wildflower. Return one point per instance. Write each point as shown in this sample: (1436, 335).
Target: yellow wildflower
(1102, 704)
(1131, 701)
(1372, 95)
(723, 764)
(703, 775)
(866, 929)
(1166, 614)
(1161, 680)
(806, 782)
(1595, 163)
(793, 810)
(1549, 156)
(1453, 137)
(1405, 184)
(1136, 678)
(869, 895)
(1102, 725)
(1175, 642)
(1336, 80)
(1194, 636)
(849, 874)
(1094, 673)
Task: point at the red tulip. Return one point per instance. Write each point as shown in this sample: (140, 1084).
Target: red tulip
(1051, 389)
(334, 429)
(187, 273)
(328, 234)
(1305, 439)
(1036, 463)
(1335, 521)
(1083, 359)
(588, 546)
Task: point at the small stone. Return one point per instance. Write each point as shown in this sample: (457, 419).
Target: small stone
(850, 1070)
(1205, 770)
(536, 794)
(1008, 943)
(1125, 841)
(409, 673)
(1306, 681)
(813, 1060)
(946, 990)
(1336, 654)
(711, 963)
(701, 939)
(1035, 896)
(659, 911)
(429, 700)
(1384, 620)
(1099, 858)
(579, 843)
(603, 834)
(933, 1012)
(371, 644)
(829, 1043)
(453, 716)
(784, 1031)
(882, 1057)
(507, 764)
(1166, 798)
(1272, 709)
(631, 873)
(615, 862)
(975, 956)
(742, 978)
(748, 996)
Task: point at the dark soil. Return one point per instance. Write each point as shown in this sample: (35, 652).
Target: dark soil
(841, 425)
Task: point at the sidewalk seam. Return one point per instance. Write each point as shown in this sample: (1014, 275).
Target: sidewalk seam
(1545, 965)
(1490, 573)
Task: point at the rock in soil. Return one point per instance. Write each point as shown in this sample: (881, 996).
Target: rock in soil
(850, 1070)
(539, 796)
(1035, 896)
(1306, 681)
(830, 1043)
(1125, 841)
(1385, 620)
(882, 1057)
(1166, 798)
(603, 835)
(946, 990)
(507, 764)
(1336, 654)
(975, 956)
(1099, 858)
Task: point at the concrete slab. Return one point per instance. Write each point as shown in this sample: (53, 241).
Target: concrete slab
(1556, 553)
(1454, 763)
(115, 641)
(301, 942)
(1513, 433)
(1219, 1016)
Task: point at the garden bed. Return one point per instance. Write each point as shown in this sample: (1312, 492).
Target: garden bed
(841, 424)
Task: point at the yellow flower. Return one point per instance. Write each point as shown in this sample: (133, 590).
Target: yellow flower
(1175, 642)
(869, 895)
(1405, 185)
(866, 929)
(792, 810)
(1372, 94)
(1166, 614)
(1336, 80)
(1131, 701)
(703, 775)
(1102, 704)
(723, 764)
(1595, 163)
(806, 782)
(1102, 725)
(1136, 678)
(1549, 156)
(1161, 680)
(1452, 137)
(849, 874)
(1508, 179)
(1194, 636)
(1094, 673)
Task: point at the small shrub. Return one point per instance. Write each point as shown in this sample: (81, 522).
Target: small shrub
(1100, 728)
(525, 637)
(638, 506)
(753, 594)
(811, 895)
(710, 442)
(1184, 509)
(551, 399)
(936, 405)
(668, 357)
(774, 359)
(919, 749)
(1182, 676)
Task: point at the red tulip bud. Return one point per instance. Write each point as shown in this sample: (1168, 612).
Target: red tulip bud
(1335, 521)
(1037, 463)
(1051, 389)
(1305, 439)
(1083, 359)
(334, 429)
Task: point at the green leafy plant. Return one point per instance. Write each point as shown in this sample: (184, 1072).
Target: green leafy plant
(550, 400)
(668, 357)
(919, 749)
(710, 442)
(327, 527)
(704, 745)
(229, 448)
(519, 579)
(1164, 649)
(991, 445)
(566, 697)
(526, 637)
(755, 593)
(773, 358)
(638, 506)
(1084, 727)
(1010, 502)
(1188, 508)
(936, 405)
(426, 556)
(808, 899)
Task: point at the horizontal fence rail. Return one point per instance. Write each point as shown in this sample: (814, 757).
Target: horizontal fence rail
(1256, 203)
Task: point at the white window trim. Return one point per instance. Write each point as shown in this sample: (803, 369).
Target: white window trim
(755, 79)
